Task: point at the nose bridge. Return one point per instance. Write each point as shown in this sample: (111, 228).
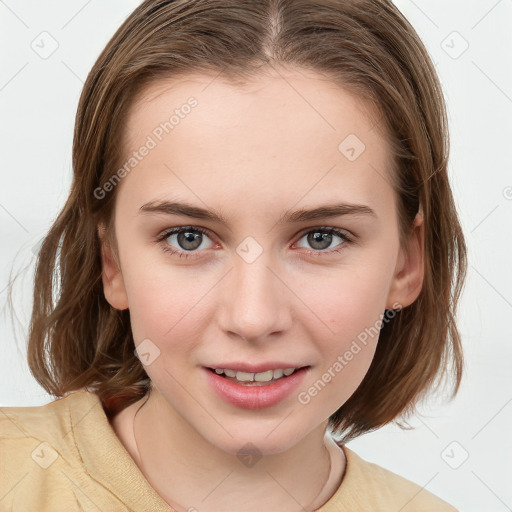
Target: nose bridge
(255, 302)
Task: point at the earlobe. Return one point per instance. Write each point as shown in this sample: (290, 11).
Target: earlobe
(113, 283)
(408, 279)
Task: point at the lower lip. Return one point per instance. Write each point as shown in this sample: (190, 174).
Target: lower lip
(255, 397)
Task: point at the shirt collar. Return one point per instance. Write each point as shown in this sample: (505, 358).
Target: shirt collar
(105, 458)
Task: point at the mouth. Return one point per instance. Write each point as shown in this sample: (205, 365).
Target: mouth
(256, 378)
(255, 390)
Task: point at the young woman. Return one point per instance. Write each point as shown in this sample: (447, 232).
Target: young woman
(259, 260)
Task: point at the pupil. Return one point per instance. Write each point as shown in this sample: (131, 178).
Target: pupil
(189, 240)
(323, 238)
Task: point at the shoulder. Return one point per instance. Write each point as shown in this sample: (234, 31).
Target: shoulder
(385, 490)
(51, 421)
(37, 448)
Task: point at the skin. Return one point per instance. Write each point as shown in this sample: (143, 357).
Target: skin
(278, 138)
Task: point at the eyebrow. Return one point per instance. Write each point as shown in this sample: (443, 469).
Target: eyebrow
(288, 217)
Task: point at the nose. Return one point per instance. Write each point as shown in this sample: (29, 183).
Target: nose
(256, 300)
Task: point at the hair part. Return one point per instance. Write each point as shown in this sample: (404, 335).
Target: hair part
(78, 340)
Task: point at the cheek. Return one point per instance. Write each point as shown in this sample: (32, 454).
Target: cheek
(164, 324)
(163, 301)
(351, 309)
(347, 302)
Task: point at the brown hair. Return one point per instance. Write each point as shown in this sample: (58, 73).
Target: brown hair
(78, 340)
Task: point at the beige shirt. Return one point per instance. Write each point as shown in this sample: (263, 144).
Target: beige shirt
(65, 456)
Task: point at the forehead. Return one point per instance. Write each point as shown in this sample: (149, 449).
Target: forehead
(291, 133)
(305, 92)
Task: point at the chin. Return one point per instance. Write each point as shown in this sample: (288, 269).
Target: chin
(269, 438)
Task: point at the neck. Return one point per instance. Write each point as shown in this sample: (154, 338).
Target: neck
(207, 478)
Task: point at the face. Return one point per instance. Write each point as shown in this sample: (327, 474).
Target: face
(258, 284)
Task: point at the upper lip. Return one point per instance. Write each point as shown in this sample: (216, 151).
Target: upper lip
(255, 368)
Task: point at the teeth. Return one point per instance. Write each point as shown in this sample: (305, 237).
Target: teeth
(255, 377)
(244, 376)
(264, 376)
(278, 374)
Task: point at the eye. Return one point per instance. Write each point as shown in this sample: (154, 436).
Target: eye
(321, 238)
(186, 239)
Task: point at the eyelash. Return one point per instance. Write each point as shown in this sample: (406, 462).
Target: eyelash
(184, 254)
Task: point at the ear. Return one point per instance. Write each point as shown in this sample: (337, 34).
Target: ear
(113, 283)
(408, 279)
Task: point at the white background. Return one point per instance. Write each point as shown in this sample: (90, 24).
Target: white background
(38, 99)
